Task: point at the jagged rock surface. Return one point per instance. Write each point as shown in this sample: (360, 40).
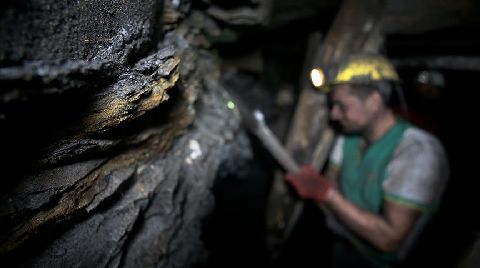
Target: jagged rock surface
(114, 136)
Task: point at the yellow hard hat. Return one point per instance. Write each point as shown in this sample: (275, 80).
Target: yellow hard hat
(365, 68)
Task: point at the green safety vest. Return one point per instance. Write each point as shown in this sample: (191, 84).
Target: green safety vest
(363, 171)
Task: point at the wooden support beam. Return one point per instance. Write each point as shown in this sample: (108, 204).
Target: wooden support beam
(460, 63)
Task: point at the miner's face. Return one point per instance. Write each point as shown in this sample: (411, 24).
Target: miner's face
(350, 111)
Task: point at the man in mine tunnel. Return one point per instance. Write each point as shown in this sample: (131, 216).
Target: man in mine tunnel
(385, 176)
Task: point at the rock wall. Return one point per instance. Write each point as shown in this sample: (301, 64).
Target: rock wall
(114, 127)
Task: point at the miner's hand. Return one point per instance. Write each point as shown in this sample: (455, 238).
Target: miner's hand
(309, 184)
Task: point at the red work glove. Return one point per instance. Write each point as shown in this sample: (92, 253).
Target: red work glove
(309, 184)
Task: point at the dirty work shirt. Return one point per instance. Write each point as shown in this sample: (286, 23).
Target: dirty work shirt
(406, 165)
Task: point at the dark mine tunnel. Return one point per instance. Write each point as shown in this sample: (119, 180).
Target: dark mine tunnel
(158, 133)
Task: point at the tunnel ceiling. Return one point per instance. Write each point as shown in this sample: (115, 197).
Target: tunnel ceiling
(449, 27)
(403, 16)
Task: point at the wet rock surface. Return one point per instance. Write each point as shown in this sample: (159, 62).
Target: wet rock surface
(115, 130)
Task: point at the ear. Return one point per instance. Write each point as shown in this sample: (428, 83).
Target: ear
(374, 101)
